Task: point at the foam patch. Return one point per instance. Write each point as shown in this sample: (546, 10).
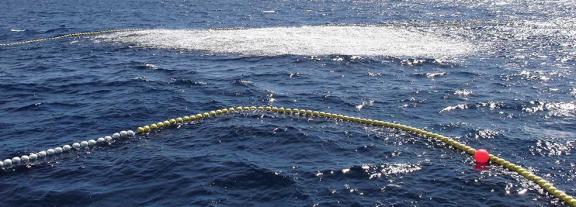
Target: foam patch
(306, 40)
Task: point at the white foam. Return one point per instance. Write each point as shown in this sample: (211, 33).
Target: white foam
(558, 109)
(452, 108)
(306, 40)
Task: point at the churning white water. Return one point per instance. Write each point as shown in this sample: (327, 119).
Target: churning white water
(305, 40)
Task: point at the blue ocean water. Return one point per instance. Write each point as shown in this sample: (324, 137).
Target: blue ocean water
(493, 74)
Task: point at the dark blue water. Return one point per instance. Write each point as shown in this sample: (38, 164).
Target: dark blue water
(514, 94)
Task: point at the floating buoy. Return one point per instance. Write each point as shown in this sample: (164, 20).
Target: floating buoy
(7, 162)
(42, 154)
(16, 160)
(482, 156)
(25, 158)
(33, 156)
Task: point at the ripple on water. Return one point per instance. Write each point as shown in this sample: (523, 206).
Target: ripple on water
(371, 171)
(461, 106)
(463, 92)
(553, 109)
(552, 148)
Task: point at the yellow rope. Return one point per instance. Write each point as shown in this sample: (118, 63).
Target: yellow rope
(72, 35)
(549, 187)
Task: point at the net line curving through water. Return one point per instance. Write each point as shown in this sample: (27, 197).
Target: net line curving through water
(304, 113)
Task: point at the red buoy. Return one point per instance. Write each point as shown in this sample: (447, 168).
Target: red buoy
(482, 156)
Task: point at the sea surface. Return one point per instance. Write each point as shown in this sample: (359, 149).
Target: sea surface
(494, 74)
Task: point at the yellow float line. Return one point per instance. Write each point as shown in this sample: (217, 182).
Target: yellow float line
(72, 35)
(549, 187)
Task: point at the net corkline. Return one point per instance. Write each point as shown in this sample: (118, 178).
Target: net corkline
(304, 113)
(71, 35)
